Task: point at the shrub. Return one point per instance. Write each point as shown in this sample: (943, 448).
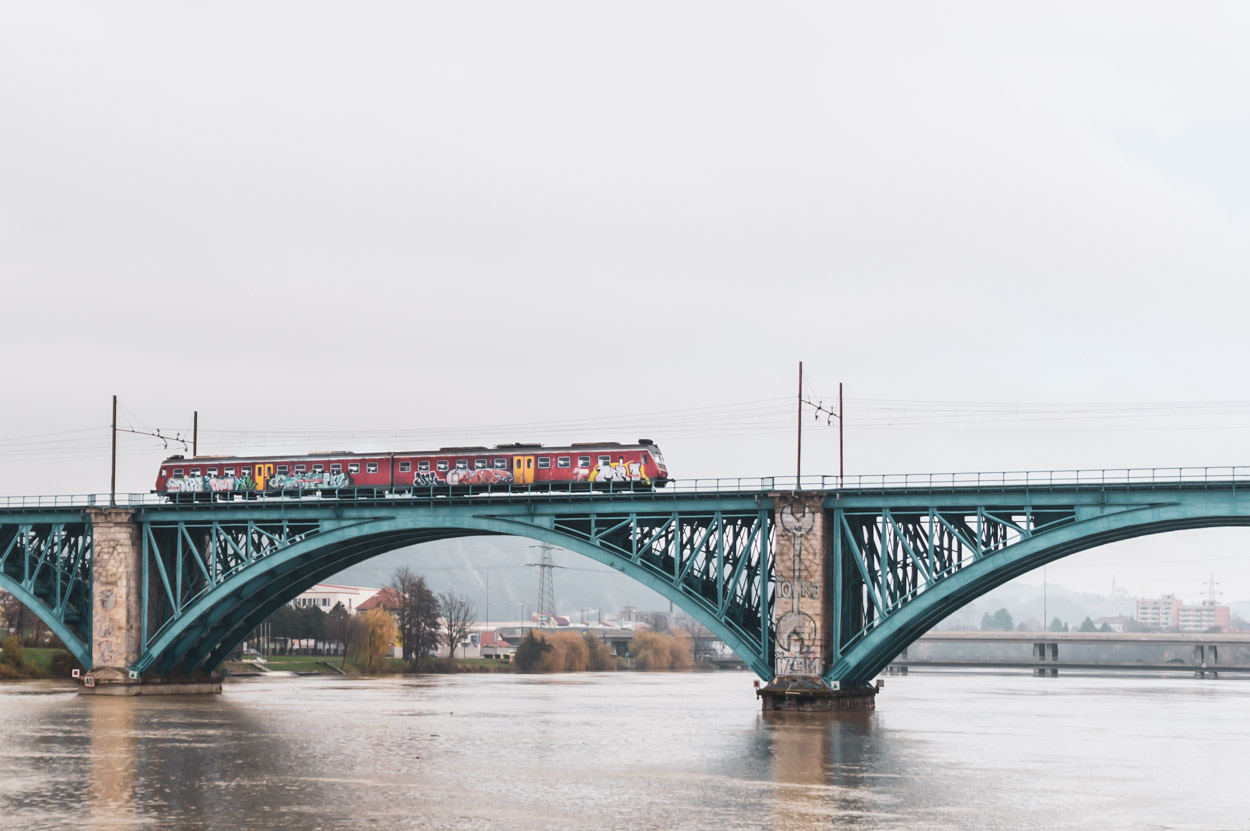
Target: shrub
(12, 654)
(656, 651)
(568, 653)
(530, 652)
(599, 654)
(63, 664)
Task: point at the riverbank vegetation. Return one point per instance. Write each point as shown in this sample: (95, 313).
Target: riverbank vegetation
(18, 662)
(570, 652)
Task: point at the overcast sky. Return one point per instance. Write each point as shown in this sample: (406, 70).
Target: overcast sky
(429, 224)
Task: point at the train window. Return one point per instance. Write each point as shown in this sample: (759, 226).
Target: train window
(501, 464)
(195, 471)
(371, 467)
(481, 464)
(462, 464)
(583, 461)
(442, 465)
(245, 471)
(282, 470)
(605, 460)
(300, 468)
(353, 467)
(544, 462)
(212, 471)
(423, 466)
(405, 467)
(178, 471)
(229, 471)
(319, 468)
(164, 471)
(563, 461)
(336, 468)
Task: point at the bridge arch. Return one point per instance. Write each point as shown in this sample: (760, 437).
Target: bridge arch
(45, 562)
(869, 655)
(221, 617)
(74, 642)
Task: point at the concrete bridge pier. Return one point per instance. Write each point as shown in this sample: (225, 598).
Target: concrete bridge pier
(802, 612)
(1043, 653)
(117, 596)
(1206, 657)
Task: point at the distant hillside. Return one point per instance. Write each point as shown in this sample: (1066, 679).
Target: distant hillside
(465, 565)
(1026, 601)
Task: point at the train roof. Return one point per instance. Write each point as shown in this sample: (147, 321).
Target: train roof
(442, 451)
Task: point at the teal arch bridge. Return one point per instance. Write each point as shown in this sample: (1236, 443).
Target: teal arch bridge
(819, 578)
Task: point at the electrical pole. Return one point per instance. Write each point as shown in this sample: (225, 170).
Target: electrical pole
(798, 465)
(546, 586)
(195, 434)
(830, 415)
(113, 477)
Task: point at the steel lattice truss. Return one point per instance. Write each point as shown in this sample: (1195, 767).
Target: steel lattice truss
(890, 556)
(903, 561)
(210, 576)
(45, 562)
(719, 561)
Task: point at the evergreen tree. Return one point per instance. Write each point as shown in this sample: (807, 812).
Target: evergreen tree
(530, 651)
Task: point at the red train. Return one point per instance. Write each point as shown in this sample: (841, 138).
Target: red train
(449, 469)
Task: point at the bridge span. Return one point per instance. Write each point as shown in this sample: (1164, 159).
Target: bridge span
(815, 583)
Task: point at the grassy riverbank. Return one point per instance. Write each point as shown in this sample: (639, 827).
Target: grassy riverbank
(393, 666)
(34, 662)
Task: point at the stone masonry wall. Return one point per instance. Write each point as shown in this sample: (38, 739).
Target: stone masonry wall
(116, 572)
(801, 604)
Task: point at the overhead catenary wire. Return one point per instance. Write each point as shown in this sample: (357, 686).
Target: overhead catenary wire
(729, 420)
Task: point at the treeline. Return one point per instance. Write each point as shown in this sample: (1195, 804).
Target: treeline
(15, 664)
(570, 652)
(409, 615)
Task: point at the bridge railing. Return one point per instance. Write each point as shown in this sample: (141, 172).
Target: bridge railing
(1156, 477)
(1018, 479)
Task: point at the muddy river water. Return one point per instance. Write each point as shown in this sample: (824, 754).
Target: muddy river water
(629, 751)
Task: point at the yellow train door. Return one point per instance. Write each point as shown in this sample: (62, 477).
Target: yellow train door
(523, 470)
(263, 474)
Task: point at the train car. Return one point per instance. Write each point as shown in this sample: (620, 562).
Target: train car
(605, 465)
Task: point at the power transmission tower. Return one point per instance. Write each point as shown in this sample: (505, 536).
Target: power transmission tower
(546, 586)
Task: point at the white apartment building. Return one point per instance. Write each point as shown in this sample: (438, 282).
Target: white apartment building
(325, 595)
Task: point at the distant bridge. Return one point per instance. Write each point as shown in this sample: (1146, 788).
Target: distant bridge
(1203, 650)
(822, 577)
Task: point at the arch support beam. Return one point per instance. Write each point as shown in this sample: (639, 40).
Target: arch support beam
(1000, 557)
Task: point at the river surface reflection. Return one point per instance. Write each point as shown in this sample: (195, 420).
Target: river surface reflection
(629, 751)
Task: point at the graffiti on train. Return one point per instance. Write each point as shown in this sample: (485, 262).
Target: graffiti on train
(479, 477)
(619, 471)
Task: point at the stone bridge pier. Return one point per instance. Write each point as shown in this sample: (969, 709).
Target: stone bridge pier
(806, 574)
(116, 614)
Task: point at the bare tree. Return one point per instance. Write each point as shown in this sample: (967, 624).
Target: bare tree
(703, 642)
(458, 616)
(417, 615)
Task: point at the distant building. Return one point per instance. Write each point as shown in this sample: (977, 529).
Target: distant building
(1202, 617)
(324, 596)
(1158, 613)
(1115, 624)
(494, 646)
(387, 598)
(1167, 612)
